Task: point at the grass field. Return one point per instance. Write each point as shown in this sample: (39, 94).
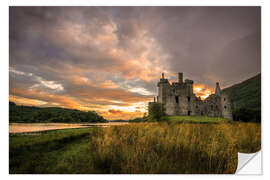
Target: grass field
(194, 119)
(135, 148)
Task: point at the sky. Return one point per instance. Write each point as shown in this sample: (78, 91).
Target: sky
(109, 59)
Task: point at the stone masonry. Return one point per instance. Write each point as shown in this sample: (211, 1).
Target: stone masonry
(178, 99)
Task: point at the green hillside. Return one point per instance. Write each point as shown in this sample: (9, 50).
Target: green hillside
(50, 114)
(246, 97)
(246, 94)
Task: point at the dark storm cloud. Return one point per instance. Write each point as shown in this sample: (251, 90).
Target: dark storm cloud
(123, 50)
(203, 36)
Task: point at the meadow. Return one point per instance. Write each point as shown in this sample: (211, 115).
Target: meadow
(194, 119)
(143, 148)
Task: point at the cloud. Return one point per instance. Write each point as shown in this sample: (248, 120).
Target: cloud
(114, 111)
(122, 115)
(20, 72)
(141, 91)
(202, 90)
(41, 82)
(48, 84)
(101, 58)
(26, 101)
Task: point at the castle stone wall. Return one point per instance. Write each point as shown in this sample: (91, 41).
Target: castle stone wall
(178, 99)
(226, 106)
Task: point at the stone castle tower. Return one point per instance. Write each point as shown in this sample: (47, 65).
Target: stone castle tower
(178, 99)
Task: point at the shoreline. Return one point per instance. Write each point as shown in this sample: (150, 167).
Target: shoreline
(19, 128)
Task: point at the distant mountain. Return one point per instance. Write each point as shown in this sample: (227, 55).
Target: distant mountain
(50, 114)
(246, 94)
(246, 99)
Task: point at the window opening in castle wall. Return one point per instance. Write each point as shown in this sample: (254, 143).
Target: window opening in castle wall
(176, 99)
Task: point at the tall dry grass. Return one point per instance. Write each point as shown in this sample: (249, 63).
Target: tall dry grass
(175, 148)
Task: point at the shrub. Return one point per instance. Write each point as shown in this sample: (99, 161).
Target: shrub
(156, 111)
(247, 115)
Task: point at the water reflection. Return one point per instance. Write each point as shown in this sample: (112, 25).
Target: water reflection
(37, 127)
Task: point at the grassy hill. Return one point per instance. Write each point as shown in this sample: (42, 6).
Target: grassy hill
(50, 114)
(246, 94)
(246, 97)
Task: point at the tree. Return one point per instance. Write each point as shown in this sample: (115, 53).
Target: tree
(156, 111)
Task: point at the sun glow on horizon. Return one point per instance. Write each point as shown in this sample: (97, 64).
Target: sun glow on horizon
(119, 109)
(202, 91)
(110, 59)
(109, 112)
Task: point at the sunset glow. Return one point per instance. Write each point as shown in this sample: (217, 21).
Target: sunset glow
(202, 91)
(109, 59)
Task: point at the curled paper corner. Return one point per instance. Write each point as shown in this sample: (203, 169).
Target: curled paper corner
(249, 163)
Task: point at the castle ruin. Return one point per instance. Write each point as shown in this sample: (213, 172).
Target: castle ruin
(178, 99)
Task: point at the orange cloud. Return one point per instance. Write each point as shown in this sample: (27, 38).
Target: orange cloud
(112, 111)
(202, 90)
(125, 105)
(108, 84)
(139, 58)
(113, 94)
(121, 115)
(26, 101)
(79, 81)
(63, 100)
(65, 69)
